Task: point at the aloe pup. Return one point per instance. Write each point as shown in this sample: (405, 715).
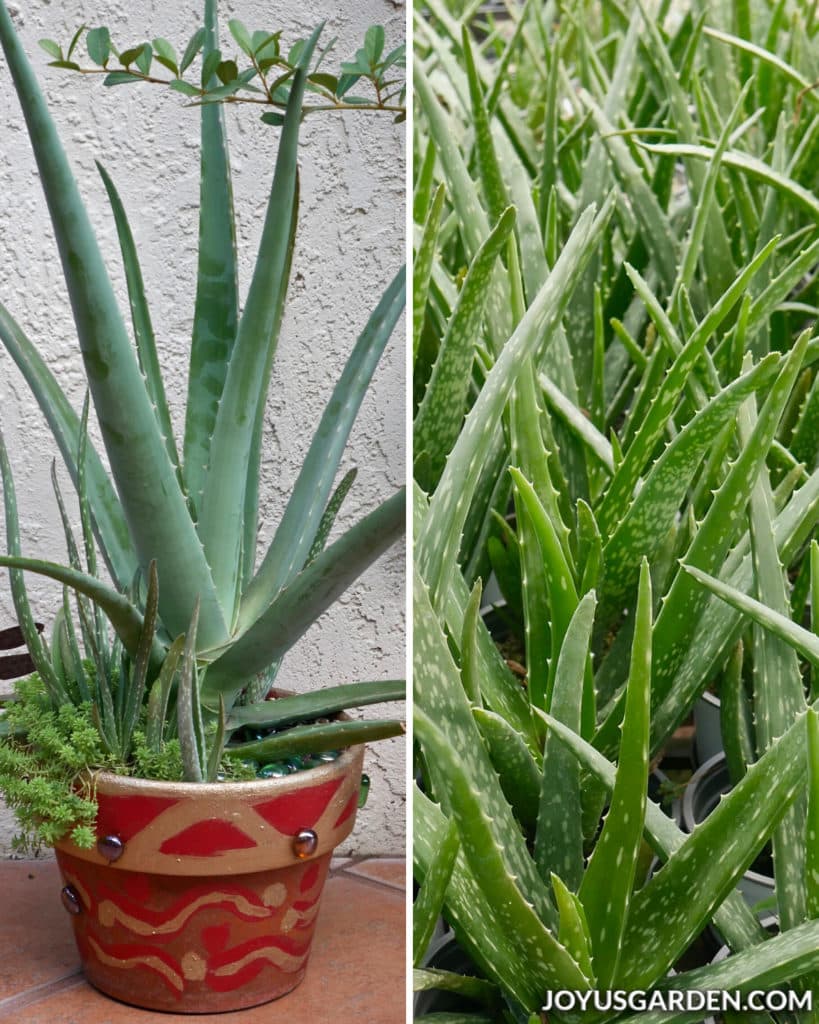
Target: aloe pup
(176, 521)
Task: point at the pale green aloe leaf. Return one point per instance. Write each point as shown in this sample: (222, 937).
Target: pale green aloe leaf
(160, 695)
(422, 266)
(475, 989)
(471, 664)
(494, 189)
(735, 716)
(814, 609)
(154, 505)
(187, 707)
(765, 55)
(605, 891)
(444, 403)
(139, 674)
(427, 906)
(733, 917)
(306, 739)
(218, 743)
(805, 444)
(768, 966)
(550, 962)
(684, 604)
(782, 626)
(651, 513)
(216, 311)
(302, 518)
(222, 513)
(573, 932)
(283, 711)
(674, 905)
(303, 600)
(330, 512)
(109, 519)
(141, 318)
(596, 443)
(439, 537)
(559, 836)
(518, 772)
(811, 885)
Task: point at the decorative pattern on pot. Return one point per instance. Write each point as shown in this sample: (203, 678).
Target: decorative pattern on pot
(210, 902)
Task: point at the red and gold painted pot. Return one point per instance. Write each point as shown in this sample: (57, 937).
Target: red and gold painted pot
(203, 898)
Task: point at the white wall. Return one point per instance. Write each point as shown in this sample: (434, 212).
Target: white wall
(351, 241)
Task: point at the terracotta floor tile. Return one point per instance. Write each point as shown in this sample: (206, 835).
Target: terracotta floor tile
(390, 870)
(36, 945)
(355, 975)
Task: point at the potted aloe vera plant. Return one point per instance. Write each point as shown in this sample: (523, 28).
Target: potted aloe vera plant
(614, 340)
(186, 797)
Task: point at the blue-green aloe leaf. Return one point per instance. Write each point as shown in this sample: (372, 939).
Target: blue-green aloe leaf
(518, 772)
(426, 908)
(216, 315)
(422, 264)
(154, 505)
(302, 518)
(222, 514)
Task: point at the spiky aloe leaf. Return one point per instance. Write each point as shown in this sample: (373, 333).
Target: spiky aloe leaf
(284, 711)
(518, 772)
(109, 518)
(141, 319)
(497, 199)
(733, 917)
(605, 891)
(221, 521)
(811, 880)
(684, 604)
(330, 513)
(154, 505)
(475, 989)
(559, 836)
(216, 311)
(735, 717)
(160, 695)
(550, 962)
(439, 537)
(422, 265)
(306, 739)
(671, 908)
(767, 56)
(426, 908)
(573, 932)
(142, 660)
(306, 598)
(578, 424)
(444, 403)
(218, 745)
(187, 703)
(302, 517)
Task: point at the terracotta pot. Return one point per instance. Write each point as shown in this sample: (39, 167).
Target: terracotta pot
(203, 898)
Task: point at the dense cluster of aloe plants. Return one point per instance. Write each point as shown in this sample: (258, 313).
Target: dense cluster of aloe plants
(199, 628)
(616, 400)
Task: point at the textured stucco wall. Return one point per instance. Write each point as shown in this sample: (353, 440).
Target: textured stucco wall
(350, 243)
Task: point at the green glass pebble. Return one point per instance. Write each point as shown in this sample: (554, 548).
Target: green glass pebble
(364, 791)
(276, 770)
(329, 755)
(295, 764)
(313, 762)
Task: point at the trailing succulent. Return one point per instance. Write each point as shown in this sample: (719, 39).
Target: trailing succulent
(615, 372)
(161, 670)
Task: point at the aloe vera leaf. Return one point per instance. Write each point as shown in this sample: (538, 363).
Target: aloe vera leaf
(160, 695)
(804, 444)
(778, 688)
(663, 916)
(427, 906)
(141, 320)
(560, 586)
(721, 626)
(499, 688)
(455, 1018)
(76, 661)
(221, 520)
(573, 932)
(494, 189)
(329, 516)
(605, 891)
(155, 507)
(493, 951)
(811, 878)
(684, 604)
(550, 167)
(304, 599)
(652, 511)
(590, 549)
(768, 966)
(444, 403)
(439, 537)
(735, 717)
(422, 267)
(470, 651)
(517, 770)
(216, 309)
(782, 626)
(288, 710)
(582, 428)
(88, 536)
(550, 962)
(218, 744)
(424, 185)
(733, 916)
(766, 56)
(189, 746)
(295, 534)
(37, 647)
(559, 836)
(476, 989)
(109, 519)
(306, 739)
(814, 610)
(748, 165)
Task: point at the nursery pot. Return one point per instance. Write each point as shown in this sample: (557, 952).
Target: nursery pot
(702, 795)
(202, 898)
(708, 728)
